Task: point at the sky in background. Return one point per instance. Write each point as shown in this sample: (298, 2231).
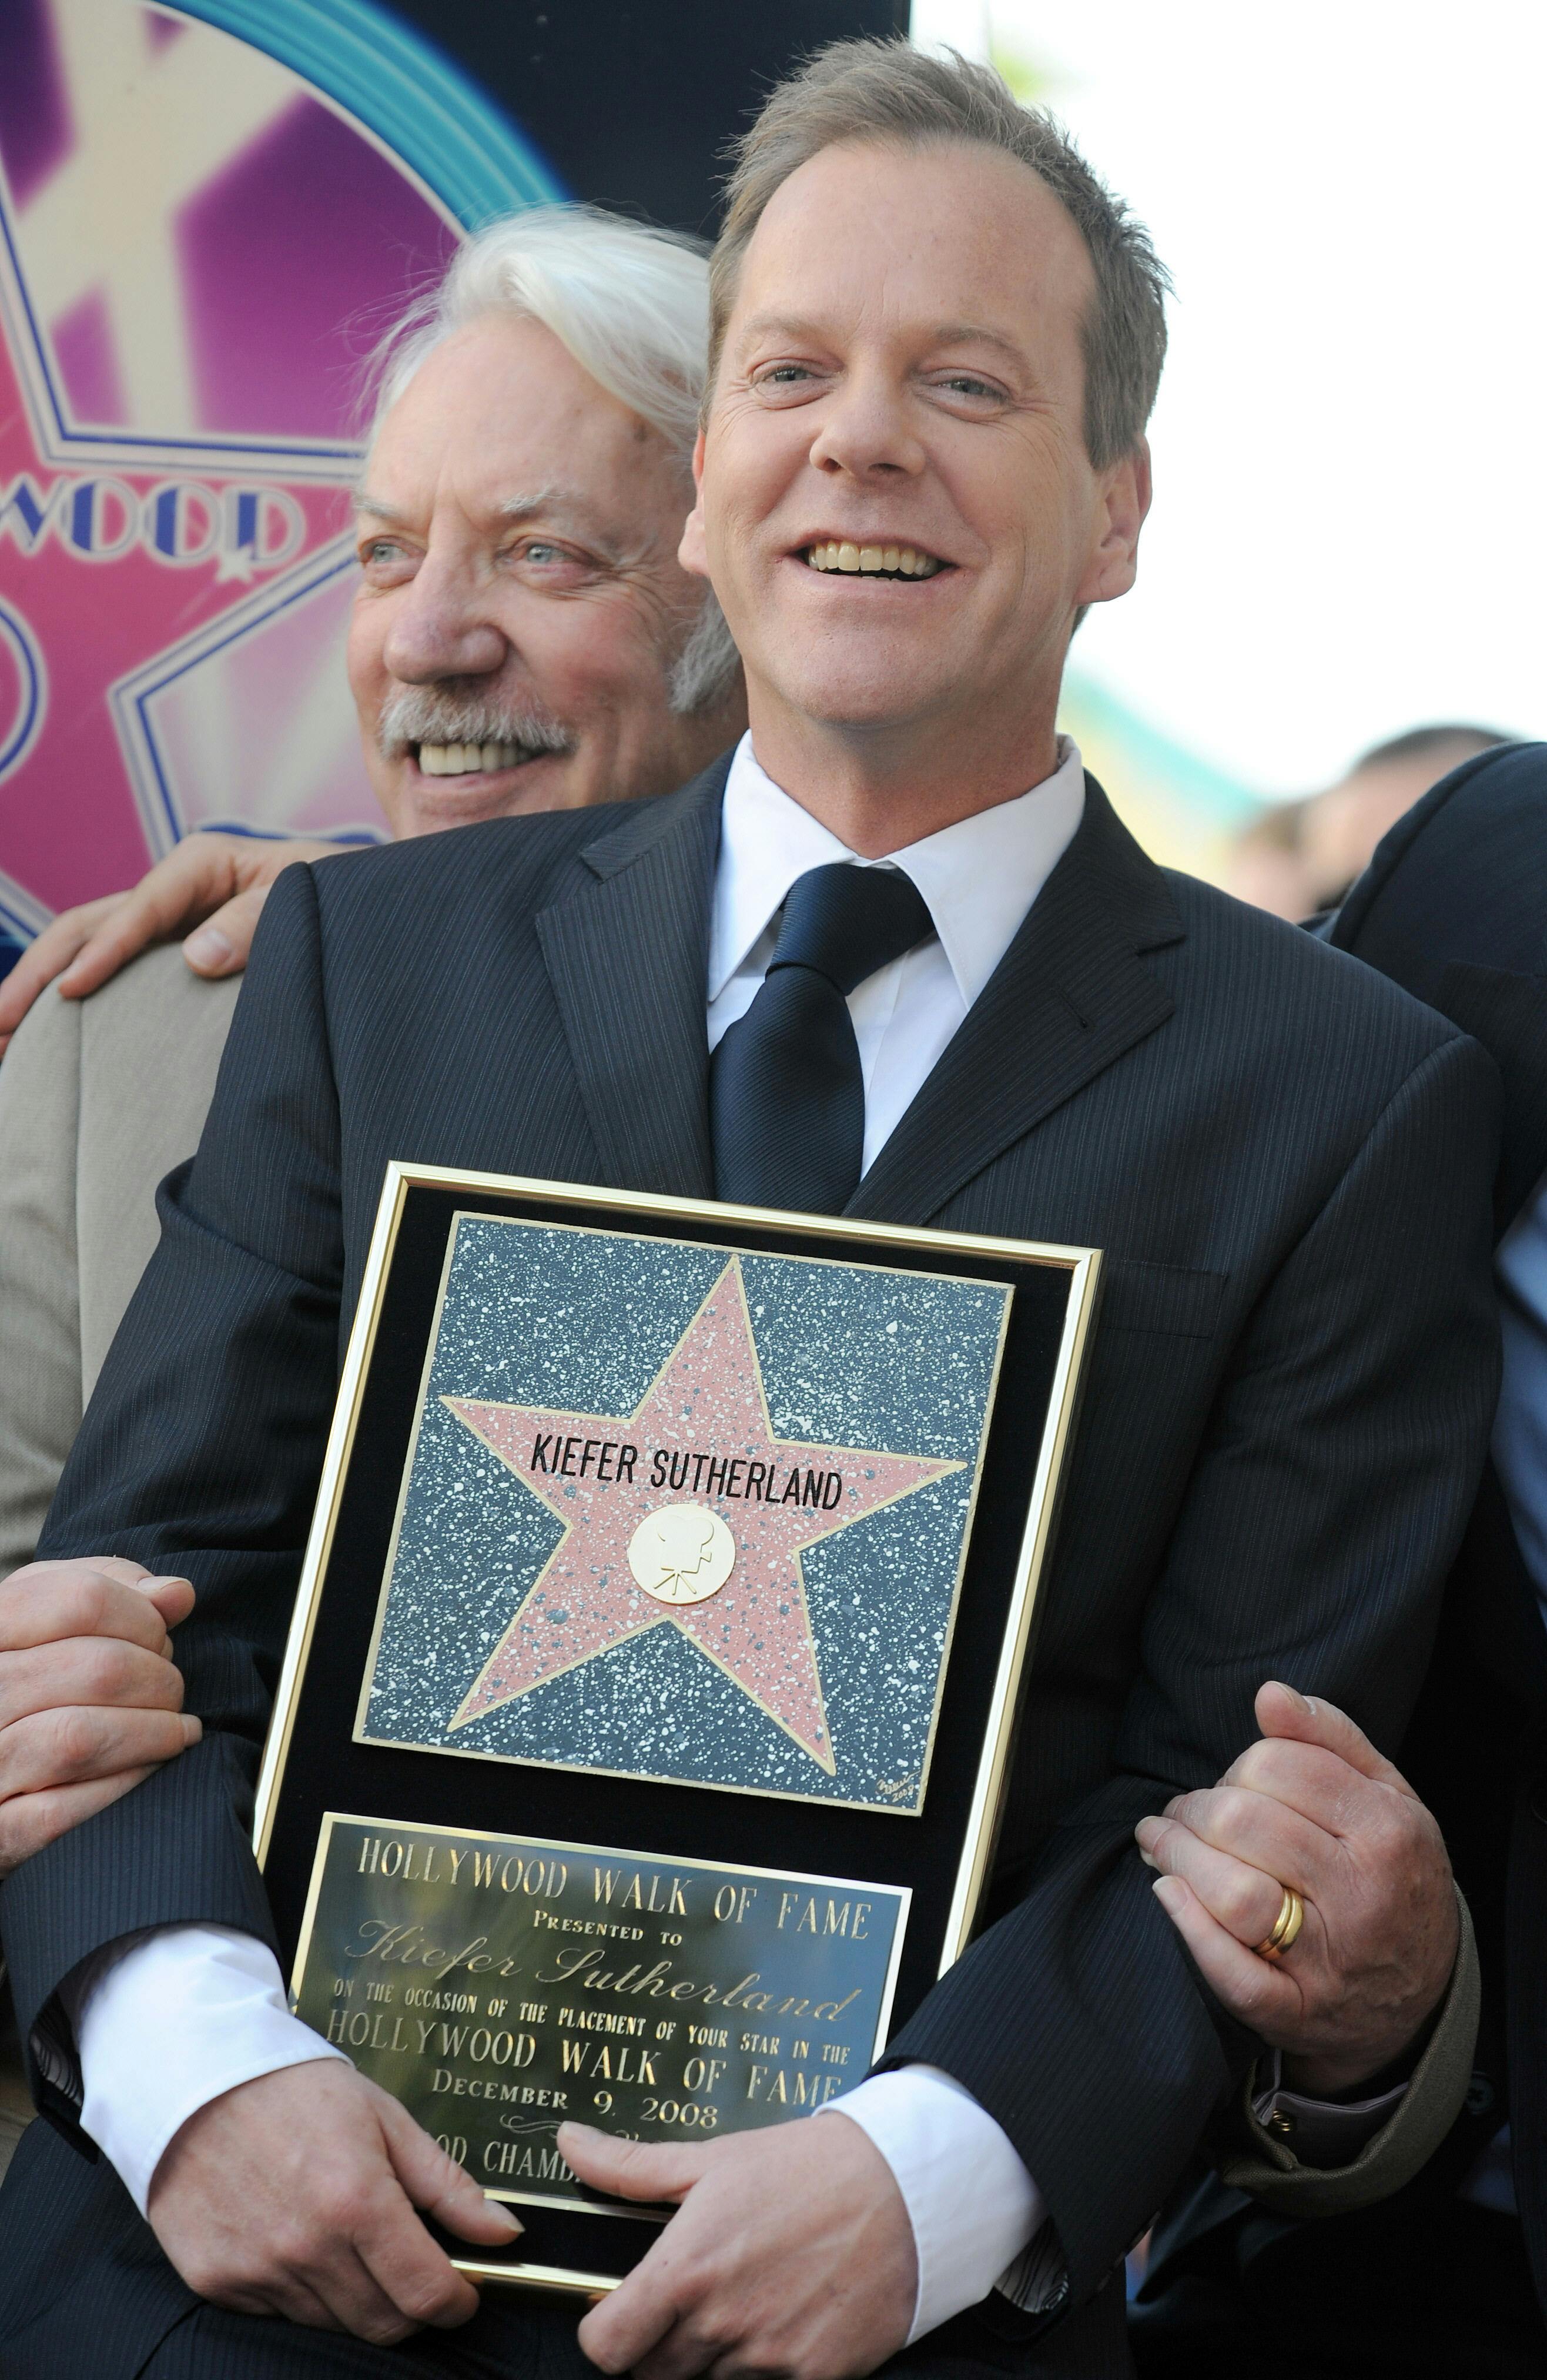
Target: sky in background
(1348, 531)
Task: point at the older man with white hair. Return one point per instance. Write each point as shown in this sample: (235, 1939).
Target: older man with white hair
(524, 639)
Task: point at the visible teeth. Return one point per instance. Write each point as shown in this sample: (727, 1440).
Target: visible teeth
(466, 759)
(903, 559)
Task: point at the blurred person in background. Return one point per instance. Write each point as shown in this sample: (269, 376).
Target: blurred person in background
(1300, 857)
(524, 639)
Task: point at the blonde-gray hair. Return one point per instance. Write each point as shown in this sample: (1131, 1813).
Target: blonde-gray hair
(886, 94)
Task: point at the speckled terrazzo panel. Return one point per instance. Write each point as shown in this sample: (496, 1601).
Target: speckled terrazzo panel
(513, 1625)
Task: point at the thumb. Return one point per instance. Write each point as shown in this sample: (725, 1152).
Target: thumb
(436, 2184)
(1303, 1718)
(173, 1598)
(649, 2169)
(222, 944)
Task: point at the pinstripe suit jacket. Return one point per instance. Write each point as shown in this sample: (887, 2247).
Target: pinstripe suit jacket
(1288, 1162)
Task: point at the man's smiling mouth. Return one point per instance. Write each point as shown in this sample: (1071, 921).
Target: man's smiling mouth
(470, 760)
(874, 561)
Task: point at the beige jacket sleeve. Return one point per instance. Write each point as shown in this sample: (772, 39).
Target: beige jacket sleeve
(1256, 2161)
(40, 1401)
(98, 1099)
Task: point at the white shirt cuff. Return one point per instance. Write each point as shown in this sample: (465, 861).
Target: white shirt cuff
(972, 2204)
(184, 2015)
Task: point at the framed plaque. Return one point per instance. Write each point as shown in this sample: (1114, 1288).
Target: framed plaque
(650, 1693)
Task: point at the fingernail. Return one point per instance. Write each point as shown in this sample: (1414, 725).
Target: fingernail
(193, 1729)
(1293, 1692)
(209, 947)
(1172, 1806)
(571, 2124)
(1146, 1858)
(1170, 1893)
(148, 1584)
(504, 2214)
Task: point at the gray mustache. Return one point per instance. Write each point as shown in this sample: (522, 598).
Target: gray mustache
(427, 715)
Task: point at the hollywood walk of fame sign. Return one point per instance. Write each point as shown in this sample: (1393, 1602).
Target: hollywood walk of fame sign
(208, 212)
(701, 1550)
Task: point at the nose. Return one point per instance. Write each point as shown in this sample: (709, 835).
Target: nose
(866, 429)
(444, 626)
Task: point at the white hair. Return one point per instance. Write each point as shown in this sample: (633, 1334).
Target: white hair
(632, 305)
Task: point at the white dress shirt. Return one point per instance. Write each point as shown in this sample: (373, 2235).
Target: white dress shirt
(978, 879)
(165, 2023)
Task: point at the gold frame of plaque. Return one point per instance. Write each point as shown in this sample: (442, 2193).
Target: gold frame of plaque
(894, 1872)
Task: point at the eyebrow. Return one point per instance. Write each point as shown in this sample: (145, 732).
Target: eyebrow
(362, 500)
(979, 334)
(942, 334)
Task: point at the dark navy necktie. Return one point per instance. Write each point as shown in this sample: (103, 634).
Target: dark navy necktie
(786, 1095)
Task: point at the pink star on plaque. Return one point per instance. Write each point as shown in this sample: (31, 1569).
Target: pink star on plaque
(687, 1510)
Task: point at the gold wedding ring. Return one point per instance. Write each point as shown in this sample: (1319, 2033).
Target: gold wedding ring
(1290, 1918)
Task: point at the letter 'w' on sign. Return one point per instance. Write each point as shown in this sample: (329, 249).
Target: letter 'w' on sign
(632, 1556)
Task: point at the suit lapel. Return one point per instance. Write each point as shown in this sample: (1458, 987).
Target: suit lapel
(627, 956)
(1069, 996)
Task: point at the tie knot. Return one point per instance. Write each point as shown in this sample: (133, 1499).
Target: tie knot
(844, 922)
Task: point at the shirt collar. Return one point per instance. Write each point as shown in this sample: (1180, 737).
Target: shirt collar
(978, 878)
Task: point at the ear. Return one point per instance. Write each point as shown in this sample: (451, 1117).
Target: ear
(1123, 495)
(693, 553)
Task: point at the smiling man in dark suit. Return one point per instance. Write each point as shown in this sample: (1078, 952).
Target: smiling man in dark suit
(895, 957)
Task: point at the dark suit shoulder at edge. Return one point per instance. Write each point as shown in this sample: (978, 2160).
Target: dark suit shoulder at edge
(1496, 778)
(1224, 930)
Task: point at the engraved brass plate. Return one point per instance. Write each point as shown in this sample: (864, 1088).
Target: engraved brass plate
(497, 1985)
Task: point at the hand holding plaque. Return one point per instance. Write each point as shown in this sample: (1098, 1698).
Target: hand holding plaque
(295, 2194)
(792, 2252)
